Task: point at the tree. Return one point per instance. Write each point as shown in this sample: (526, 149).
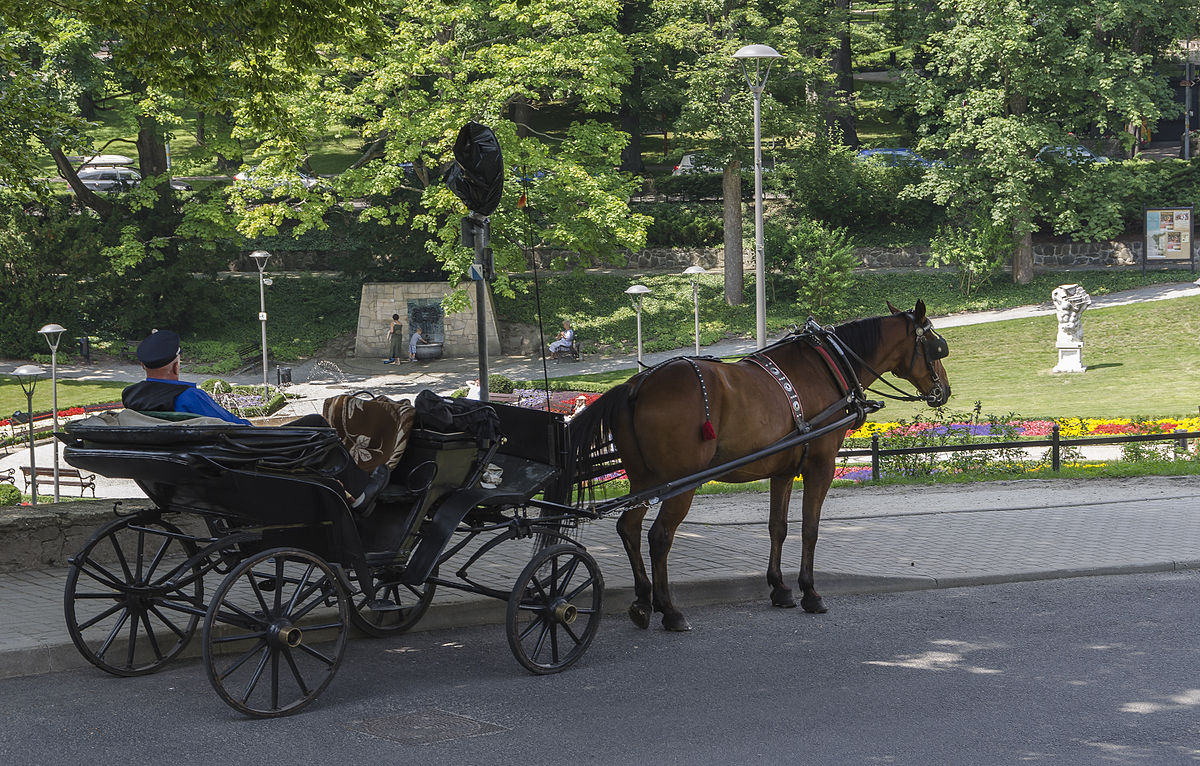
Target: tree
(1005, 78)
(715, 103)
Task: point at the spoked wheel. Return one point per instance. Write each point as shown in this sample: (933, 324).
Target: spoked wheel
(554, 609)
(413, 601)
(275, 632)
(128, 607)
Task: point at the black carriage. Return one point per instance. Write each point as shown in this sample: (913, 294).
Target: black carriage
(249, 539)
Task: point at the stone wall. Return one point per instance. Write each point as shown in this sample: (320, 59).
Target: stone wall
(457, 332)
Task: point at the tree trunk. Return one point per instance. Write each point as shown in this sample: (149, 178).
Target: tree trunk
(152, 150)
(631, 124)
(1022, 260)
(731, 188)
(842, 98)
(520, 115)
(86, 196)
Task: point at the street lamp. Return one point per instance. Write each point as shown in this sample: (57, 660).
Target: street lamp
(260, 257)
(27, 375)
(758, 54)
(695, 272)
(53, 333)
(635, 293)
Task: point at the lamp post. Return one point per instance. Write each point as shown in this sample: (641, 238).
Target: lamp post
(695, 272)
(53, 333)
(758, 54)
(260, 257)
(635, 293)
(27, 375)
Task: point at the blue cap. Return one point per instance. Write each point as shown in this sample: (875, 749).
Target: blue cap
(159, 349)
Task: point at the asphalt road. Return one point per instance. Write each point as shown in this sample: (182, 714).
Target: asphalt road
(1079, 671)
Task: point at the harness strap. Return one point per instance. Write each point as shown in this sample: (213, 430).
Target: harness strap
(788, 389)
(707, 432)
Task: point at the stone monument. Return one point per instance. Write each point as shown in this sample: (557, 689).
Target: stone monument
(1069, 303)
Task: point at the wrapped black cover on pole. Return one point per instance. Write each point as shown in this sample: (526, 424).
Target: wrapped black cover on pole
(477, 174)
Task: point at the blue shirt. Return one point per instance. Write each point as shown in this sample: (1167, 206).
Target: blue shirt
(196, 401)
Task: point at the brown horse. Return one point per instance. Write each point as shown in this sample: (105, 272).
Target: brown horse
(687, 415)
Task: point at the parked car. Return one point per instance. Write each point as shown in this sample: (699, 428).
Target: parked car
(694, 163)
(893, 158)
(115, 179)
(1073, 154)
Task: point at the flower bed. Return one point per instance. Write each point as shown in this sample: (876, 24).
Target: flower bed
(1067, 427)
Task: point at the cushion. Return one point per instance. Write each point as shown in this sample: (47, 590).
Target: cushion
(374, 431)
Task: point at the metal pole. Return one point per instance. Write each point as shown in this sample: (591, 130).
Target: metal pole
(54, 405)
(32, 459)
(760, 289)
(639, 330)
(262, 315)
(481, 240)
(696, 309)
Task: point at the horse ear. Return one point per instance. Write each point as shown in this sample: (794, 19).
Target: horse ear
(919, 311)
(893, 309)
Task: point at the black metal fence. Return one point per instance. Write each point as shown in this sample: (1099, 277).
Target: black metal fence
(1056, 444)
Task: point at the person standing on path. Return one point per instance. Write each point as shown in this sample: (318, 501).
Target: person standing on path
(395, 336)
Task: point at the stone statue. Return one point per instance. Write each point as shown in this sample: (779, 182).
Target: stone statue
(1069, 303)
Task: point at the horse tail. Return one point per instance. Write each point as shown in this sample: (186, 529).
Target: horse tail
(592, 452)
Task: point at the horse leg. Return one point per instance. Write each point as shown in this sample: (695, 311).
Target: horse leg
(662, 534)
(629, 527)
(781, 495)
(818, 475)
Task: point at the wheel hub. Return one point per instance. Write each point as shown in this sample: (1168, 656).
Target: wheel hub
(286, 634)
(564, 611)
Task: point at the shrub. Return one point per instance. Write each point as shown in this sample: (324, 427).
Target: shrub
(977, 250)
(214, 386)
(500, 384)
(683, 224)
(9, 495)
(817, 261)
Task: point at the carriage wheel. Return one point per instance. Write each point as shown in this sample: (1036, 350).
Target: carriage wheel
(413, 601)
(125, 613)
(554, 609)
(275, 632)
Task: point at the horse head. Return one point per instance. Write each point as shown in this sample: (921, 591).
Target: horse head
(923, 365)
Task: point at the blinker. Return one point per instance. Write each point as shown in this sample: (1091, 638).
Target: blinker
(936, 346)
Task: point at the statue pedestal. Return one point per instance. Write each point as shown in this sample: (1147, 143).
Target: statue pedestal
(1070, 359)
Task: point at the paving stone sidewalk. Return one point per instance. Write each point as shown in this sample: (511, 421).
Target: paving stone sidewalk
(720, 560)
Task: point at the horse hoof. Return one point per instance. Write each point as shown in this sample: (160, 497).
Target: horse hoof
(676, 623)
(640, 615)
(782, 597)
(813, 605)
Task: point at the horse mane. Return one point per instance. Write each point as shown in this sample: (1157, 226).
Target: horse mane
(861, 336)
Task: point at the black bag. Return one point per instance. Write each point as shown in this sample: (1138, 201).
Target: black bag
(467, 415)
(477, 174)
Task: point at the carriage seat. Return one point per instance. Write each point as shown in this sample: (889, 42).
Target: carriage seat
(374, 431)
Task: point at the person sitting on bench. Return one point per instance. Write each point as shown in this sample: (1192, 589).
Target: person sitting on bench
(563, 341)
(163, 391)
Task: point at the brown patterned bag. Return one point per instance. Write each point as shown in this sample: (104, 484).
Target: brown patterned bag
(374, 431)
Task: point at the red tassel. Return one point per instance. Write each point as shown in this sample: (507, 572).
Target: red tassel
(707, 432)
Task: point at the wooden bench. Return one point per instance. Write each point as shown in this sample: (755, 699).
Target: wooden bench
(9, 475)
(70, 477)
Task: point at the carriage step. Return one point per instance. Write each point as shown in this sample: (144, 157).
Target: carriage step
(383, 605)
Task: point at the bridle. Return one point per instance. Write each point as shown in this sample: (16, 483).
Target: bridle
(929, 345)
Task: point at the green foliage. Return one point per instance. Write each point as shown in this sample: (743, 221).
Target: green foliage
(811, 262)
(682, 224)
(976, 250)
(954, 428)
(500, 384)
(692, 187)
(9, 495)
(214, 386)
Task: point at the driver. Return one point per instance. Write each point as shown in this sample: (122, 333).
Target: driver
(163, 391)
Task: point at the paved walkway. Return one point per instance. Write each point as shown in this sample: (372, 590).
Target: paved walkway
(874, 539)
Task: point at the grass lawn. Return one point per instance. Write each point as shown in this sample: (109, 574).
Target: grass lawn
(1142, 360)
(71, 393)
